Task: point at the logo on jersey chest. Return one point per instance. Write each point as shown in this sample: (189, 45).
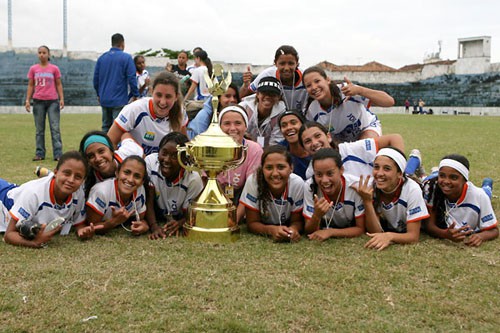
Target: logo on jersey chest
(150, 136)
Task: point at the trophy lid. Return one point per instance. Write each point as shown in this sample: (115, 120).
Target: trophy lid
(214, 137)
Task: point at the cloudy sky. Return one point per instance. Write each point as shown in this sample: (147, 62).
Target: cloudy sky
(395, 33)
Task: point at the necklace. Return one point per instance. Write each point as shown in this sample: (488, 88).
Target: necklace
(393, 190)
(329, 221)
(280, 210)
(447, 214)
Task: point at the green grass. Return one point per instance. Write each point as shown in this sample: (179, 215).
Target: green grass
(254, 285)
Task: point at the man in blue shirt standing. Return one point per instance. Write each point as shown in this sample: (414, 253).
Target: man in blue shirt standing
(114, 74)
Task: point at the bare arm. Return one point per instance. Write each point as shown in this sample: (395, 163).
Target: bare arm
(115, 134)
(13, 237)
(29, 93)
(393, 140)
(190, 92)
(60, 92)
(377, 97)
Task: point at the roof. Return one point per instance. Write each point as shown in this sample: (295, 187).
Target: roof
(368, 67)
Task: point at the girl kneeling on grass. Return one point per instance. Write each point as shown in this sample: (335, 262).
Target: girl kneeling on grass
(118, 200)
(459, 211)
(331, 207)
(273, 197)
(171, 189)
(394, 205)
(43, 200)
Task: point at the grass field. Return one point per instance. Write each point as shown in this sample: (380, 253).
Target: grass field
(254, 285)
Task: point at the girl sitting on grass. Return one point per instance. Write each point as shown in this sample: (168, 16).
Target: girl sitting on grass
(459, 211)
(117, 200)
(42, 200)
(171, 188)
(273, 197)
(331, 207)
(394, 205)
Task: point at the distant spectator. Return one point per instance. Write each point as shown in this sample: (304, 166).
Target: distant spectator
(142, 75)
(182, 72)
(407, 105)
(421, 104)
(44, 79)
(114, 74)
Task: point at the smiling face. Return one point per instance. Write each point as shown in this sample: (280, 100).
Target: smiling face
(130, 177)
(451, 182)
(318, 87)
(169, 164)
(266, 102)
(100, 158)
(314, 139)
(386, 174)
(290, 126)
(276, 172)
(328, 176)
(233, 124)
(68, 178)
(228, 98)
(164, 98)
(286, 64)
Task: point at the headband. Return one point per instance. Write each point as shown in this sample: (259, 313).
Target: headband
(234, 108)
(95, 139)
(448, 162)
(395, 156)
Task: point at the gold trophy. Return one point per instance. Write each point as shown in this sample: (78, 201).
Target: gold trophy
(212, 217)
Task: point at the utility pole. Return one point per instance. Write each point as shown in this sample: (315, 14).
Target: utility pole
(9, 10)
(65, 28)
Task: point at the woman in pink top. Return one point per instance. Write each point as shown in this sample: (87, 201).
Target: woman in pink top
(45, 87)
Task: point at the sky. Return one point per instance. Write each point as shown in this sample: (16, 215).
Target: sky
(394, 33)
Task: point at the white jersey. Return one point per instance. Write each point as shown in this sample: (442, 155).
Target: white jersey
(357, 158)
(104, 195)
(279, 210)
(473, 208)
(140, 120)
(141, 80)
(173, 198)
(198, 77)
(347, 121)
(343, 212)
(409, 206)
(269, 130)
(35, 201)
(295, 97)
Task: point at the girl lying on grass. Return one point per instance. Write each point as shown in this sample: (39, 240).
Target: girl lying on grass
(331, 207)
(394, 205)
(459, 211)
(97, 148)
(273, 197)
(171, 189)
(119, 200)
(34, 204)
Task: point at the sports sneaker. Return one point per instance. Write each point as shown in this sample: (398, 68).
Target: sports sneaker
(413, 163)
(488, 186)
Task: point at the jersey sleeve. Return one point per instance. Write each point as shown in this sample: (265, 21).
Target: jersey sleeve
(487, 219)
(128, 147)
(249, 194)
(126, 117)
(297, 190)
(416, 209)
(97, 200)
(308, 210)
(80, 214)
(194, 188)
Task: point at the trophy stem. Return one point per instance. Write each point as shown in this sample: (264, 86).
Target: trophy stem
(215, 106)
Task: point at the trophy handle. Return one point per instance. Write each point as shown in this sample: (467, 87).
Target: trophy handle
(180, 151)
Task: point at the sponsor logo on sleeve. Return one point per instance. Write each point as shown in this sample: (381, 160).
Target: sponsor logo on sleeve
(487, 218)
(251, 198)
(415, 210)
(123, 119)
(100, 202)
(23, 213)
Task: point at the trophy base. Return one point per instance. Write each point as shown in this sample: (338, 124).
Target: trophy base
(210, 224)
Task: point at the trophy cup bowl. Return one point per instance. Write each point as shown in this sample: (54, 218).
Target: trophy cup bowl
(212, 216)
